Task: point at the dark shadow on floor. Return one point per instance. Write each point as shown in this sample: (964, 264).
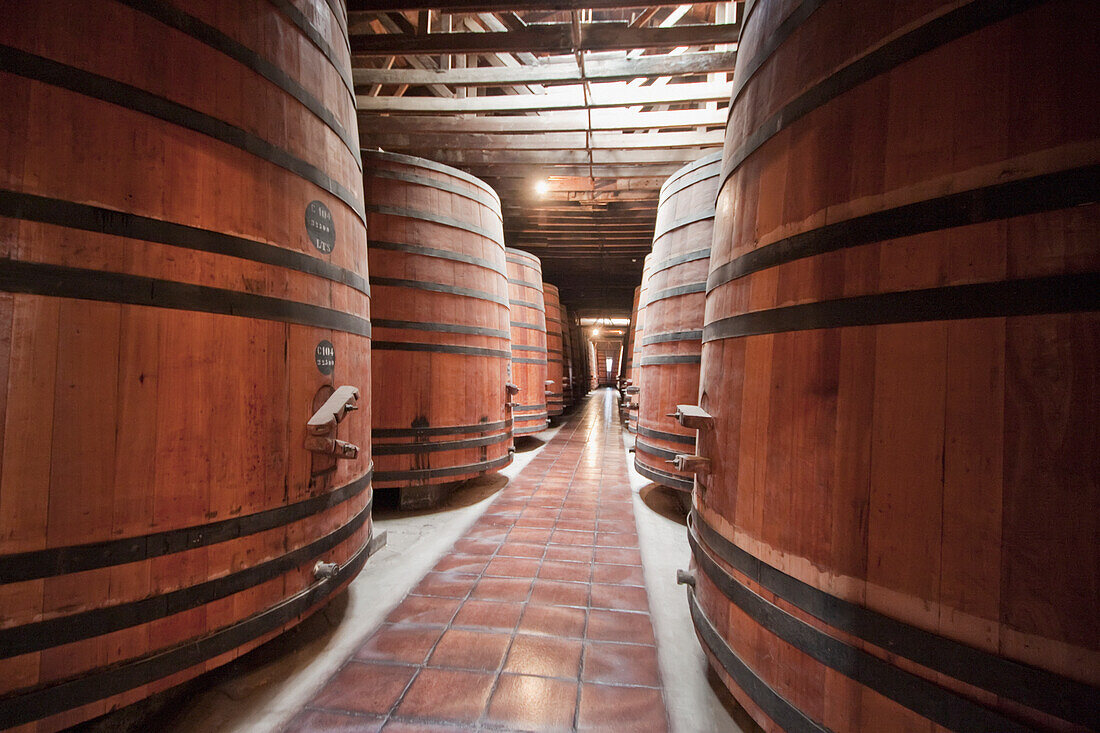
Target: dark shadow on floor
(667, 502)
(463, 494)
(528, 443)
(729, 702)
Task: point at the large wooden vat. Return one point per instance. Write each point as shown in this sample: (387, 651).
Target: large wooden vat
(567, 381)
(441, 336)
(183, 283)
(528, 342)
(581, 375)
(626, 369)
(668, 372)
(555, 360)
(633, 392)
(900, 356)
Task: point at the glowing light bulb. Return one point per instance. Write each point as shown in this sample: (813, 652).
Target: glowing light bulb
(542, 187)
(596, 331)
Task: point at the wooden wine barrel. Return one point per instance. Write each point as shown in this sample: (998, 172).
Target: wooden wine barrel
(668, 371)
(581, 375)
(635, 394)
(626, 369)
(555, 362)
(567, 388)
(183, 284)
(901, 357)
(528, 342)
(441, 348)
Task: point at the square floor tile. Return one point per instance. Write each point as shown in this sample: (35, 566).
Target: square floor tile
(447, 695)
(620, 664)
(619, 597)
(631, 628)
(521, 549)
(569, 571)
(365, 688)
(559, 593)
(425, 610)
(400, 643)
(464, 649)
(476, 547)
(326, 721)
(618, 575)
(533, 536)
(569, 553)
(396, 725)
(618, 709)
(461, 563)
(560, 621)
(444, 585)
(502, 589)
(533, 703)
(544, 656)
(488, 615)
(618, 556)
(616, 539)
(513, 567)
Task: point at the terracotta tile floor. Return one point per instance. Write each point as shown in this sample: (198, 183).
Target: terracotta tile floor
(536, 620)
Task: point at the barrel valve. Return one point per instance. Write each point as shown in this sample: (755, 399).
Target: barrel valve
(692, 416)
(690, 464)
(512, 389)
(685, 577)
(322, 426)
(632, 389)
(325, 570)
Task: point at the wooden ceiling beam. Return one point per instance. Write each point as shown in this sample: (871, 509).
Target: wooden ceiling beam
(707, 62)
(600, 96)
(602, 119)
(427, 141)
(491, 6)
(546, 38)
(462, 158)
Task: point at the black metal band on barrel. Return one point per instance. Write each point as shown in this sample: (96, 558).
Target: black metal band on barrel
(48, 700)
(528, 304)
(441, 254)
(670, 359)
(438, 349)
(1049, 192)
(47, 563)
(528, 326)
(772, 41)
(683, 178)
(58, 212)
(32, 637)
(523, 430)
(671, 437)
(441, 328)
(684, 221)
(668, 337)
(942, 30)
(215, 39)
(536, 349)
(526, 284)
(478, 195)
(396, 449)
(434, 287)
(339, 14)
(663, 477)
(430, 473)
(1039, 689)
(1005, 299)
(520, 360)
(699, 254)
(62, 76)
(299, 19)
(431, 165)
(905, 688)
(58, 281)
(679, 290)
(657, 452)
(425, 432)
(517, 257)
(433, 218)
(774, 705)
(529, 408)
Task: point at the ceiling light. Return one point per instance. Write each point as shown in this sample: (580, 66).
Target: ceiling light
(542, 187)
(596, 331)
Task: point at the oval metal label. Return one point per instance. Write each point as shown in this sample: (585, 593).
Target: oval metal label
(320, 227)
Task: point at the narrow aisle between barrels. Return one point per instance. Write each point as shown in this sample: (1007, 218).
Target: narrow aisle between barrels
(537, 619)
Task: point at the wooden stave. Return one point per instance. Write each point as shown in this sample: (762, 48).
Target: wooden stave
(51, 290)
(441, 307)
(555, 361)
(569, 397)
(671, 339)
(525, 287)
(1071, 335)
